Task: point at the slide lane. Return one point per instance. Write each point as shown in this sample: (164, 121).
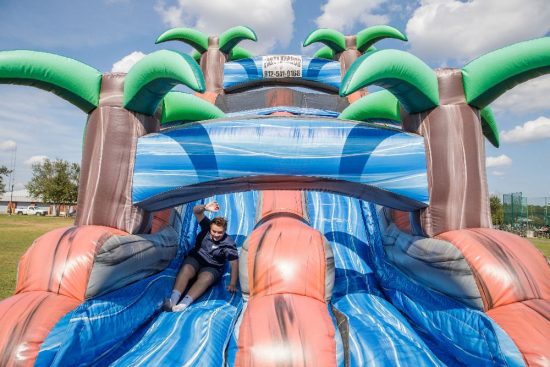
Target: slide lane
(105, 327)
(378, 334)
(199, 335)
(126, 327)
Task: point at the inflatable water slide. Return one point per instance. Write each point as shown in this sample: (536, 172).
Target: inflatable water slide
(362, 217)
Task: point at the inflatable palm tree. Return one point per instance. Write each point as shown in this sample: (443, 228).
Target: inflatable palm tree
(121, 108)
(212, 52)
(346, 49)
(444, 106)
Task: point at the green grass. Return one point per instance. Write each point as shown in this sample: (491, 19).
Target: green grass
(16, 234)
(542, 244)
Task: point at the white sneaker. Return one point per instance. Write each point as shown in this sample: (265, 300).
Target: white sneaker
(179, 307)
(167, 305)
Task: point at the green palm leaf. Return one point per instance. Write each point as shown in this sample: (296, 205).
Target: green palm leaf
(149, 80)
(231, 37)
(178, 106)
(194, 38)
(330, 37)
(489, 76)
(408, 78)
(72, 80)
(489, 126)
(196, 55)
(238, 53)
(369, 36)
(324, 52)
(381, 105)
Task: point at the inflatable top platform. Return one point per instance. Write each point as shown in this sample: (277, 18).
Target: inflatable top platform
(362, 218)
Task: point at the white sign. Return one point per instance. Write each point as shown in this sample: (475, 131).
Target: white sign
(282, 66)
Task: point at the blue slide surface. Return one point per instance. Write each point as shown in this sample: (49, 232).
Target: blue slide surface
(127, 327)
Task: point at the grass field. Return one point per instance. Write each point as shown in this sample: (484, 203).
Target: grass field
(18, 232)
(542, 244)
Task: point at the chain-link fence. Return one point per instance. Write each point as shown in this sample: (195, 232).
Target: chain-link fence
(526, 216)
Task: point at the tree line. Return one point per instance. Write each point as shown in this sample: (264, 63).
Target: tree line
(4, 171)
(54, 182)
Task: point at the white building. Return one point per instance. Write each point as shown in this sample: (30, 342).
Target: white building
(20, 199)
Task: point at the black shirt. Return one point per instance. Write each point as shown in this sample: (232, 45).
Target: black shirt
(214, 252)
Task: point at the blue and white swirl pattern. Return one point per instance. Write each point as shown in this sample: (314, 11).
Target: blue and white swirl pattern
(313, 69)
(386, 166)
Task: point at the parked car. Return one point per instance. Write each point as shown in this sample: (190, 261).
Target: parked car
(31, 210)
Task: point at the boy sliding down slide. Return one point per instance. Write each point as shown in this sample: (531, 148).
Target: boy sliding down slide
(213, 247)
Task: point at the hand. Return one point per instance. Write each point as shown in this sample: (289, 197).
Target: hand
(232, 288)
(212, 206)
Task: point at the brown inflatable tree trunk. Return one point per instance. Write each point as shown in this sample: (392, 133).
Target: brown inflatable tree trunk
(455, 159)
(105, 191)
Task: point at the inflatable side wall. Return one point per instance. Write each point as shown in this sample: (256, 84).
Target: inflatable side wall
(290, 275)
(64, 268)
(51, 281)
(495, 272)
(513, 278)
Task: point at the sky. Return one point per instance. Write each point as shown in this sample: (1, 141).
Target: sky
(111, 35)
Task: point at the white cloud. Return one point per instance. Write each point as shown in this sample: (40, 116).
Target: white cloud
(125, 64)
(35, 159)
(343, 15)
(531, 130)
(461, 30)
(47, 125)
(7, 145)
(501, 160)
(171, 15)
(309, 51)
(271, 20)
(497, 173)
(531, 96)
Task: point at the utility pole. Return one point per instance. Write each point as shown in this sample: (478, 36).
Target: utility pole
(12, 178)
(11, 200)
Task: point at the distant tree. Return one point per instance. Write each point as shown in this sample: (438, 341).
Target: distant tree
(55, 182)
(536, 214)
(4, 171)
(497, 210)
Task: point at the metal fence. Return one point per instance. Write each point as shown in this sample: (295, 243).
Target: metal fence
(527, 216)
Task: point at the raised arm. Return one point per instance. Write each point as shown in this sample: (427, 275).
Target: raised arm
(199, 210)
